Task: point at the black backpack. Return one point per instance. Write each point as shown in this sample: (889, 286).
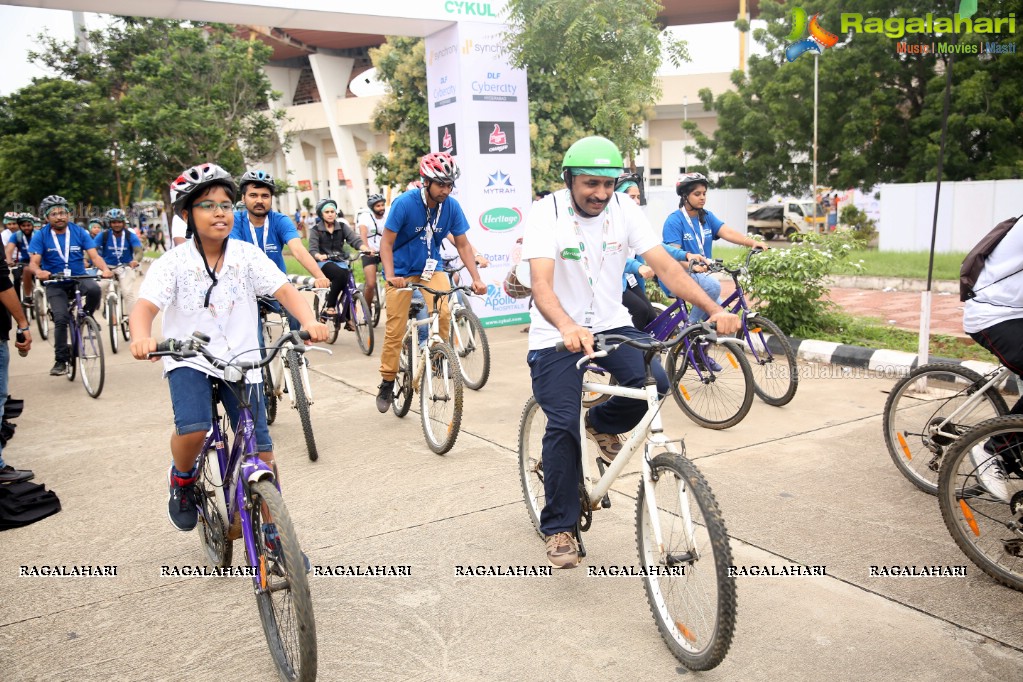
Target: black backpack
(24, 503)
(975, 259)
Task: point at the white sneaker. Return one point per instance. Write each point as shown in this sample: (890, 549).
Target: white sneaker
(990, 472)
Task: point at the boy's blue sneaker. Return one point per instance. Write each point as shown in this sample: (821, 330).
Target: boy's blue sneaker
(181, 509)
(273, 544)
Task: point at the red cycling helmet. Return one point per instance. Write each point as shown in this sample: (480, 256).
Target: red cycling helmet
(439, 166)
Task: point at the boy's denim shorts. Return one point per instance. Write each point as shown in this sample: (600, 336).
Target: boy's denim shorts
(191, 396)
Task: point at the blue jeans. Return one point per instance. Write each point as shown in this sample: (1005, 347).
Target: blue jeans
(712, 286)
(424, 330)
(192, 399)
(5, 363)
(557, 385)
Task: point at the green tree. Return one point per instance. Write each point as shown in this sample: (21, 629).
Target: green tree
(591, 67)
(180, 94)
(401, 64)
(879, 111)
(53, 141)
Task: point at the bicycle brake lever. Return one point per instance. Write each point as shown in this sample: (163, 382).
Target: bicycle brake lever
(318, 348)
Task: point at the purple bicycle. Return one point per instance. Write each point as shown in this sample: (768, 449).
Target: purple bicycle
(84, 338)
(241, 487)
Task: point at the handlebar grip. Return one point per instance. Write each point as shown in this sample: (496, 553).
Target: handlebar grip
(304, 335)
(167, 346)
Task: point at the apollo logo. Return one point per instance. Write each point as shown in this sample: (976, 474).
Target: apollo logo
(500, 219)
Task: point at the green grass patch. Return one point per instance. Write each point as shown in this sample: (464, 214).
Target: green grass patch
(873, 333)
(879, 263)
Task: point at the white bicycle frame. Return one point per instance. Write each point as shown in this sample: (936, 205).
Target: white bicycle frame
(422, 354)
(279, 369)
(973, 401)
(117, 294)
(649, 433)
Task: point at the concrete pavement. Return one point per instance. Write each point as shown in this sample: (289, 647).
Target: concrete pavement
(808, 483)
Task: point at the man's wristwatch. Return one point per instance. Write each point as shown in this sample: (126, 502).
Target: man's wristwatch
(23, 329)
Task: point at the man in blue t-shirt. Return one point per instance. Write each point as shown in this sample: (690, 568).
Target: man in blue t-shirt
(18, 256)
(122, 251)
(410, 252)
(270, 230)
(60, 247)
(693, 229)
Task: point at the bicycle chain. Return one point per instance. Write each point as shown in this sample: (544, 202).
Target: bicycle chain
(585, 512)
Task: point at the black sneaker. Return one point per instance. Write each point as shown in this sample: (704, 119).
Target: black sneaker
(385, 395)
(181, 509)
(58, 369)
(9, 474)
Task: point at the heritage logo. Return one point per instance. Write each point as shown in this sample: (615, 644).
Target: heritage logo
(446, 139)
(497, 137)
(500, 219)
(571, 253)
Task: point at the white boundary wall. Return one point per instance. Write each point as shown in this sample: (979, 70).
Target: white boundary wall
(966, 212)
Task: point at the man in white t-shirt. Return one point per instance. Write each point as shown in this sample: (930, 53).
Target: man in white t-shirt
(994, 319)
(370, 226)
(576, 241)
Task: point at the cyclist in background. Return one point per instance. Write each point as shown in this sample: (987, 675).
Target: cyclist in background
(410, 252)
(269, 230)
(95, 227)
(210, 285)
(329, 236)
(18, 256)
(119, 246)
(694, 229)
(10, 226)
(60, 247)
(370, 225)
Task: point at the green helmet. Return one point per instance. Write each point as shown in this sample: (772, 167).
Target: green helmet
(593, 156)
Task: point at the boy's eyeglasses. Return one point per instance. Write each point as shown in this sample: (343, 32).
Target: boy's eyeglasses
(210, 206)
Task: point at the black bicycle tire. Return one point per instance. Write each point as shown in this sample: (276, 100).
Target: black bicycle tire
(269, 394)
(720, 640)
(112, 326)
(951, 507)
(790, 356)
(480, 333)
(401, 398)
(534, 502)
(365, 336)
(686, 405)
(125, 329)
(72, 365)
(297, 587)
(208, 536)
(42, 314)
(97, 334)
(442, 446)
(891, 408)
(302, 403)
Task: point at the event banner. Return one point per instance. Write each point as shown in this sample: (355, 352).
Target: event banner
(479, 114)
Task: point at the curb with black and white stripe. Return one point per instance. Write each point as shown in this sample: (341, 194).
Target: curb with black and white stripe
(890, 363)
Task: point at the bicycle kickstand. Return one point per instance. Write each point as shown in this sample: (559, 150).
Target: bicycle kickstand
(605, 502)
(579, 539)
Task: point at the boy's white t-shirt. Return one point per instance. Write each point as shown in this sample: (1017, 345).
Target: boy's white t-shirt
(176, 283)
(998, 301)
(606, 241)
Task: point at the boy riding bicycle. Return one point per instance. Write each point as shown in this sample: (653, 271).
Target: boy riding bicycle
(210, 285)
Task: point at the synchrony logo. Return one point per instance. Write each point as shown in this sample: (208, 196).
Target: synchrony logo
(437, 55)
(490, 46)
(818, 41)
(446, 140)
(497, 137)
(499, 183)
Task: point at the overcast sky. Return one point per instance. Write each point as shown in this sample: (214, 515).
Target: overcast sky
(713, 47)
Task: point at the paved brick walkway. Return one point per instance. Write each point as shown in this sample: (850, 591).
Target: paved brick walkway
(898, 308)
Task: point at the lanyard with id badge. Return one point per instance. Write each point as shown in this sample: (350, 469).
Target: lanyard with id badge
(66, 257)
(590, 316)
(431, 262)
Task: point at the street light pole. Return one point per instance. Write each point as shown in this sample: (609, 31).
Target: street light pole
(816, 55)
(685, 140)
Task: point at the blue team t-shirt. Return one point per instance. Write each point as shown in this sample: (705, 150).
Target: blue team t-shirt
(116, 250)
(408, 218)
(277, 231)
(43, 243)
(21, 243)
(678, 230)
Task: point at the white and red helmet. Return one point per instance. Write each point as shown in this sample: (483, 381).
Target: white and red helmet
(197, 178)
(439, 166)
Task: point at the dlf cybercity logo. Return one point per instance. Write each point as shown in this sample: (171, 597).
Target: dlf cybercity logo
(818, 41)
(497, 137)
(493, 89)
(444, 93)
(499, 183)
(446, 139)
